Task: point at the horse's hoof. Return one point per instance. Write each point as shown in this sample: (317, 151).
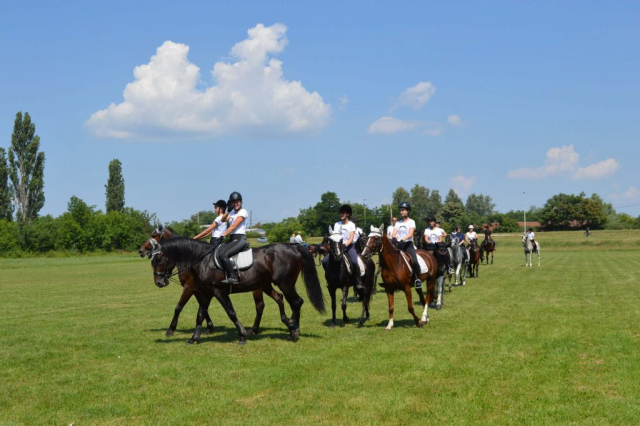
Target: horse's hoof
(295, 335)
(242, 342)
(387, 329)
(332, 325)
(169, 333)
(251, 332)
(191, 342)
(438, 307)
(421, 324)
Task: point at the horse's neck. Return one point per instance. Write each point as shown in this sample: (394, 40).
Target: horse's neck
(389, 254)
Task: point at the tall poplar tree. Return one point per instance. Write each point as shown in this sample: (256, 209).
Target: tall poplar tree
(26, 168)
(6, 208)
(115, 187)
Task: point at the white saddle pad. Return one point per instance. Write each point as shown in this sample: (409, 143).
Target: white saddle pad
(360, 264)
(241, 261)
(423, 266)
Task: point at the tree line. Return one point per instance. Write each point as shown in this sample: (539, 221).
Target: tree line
(84, 228)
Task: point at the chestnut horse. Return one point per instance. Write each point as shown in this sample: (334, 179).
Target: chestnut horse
(397, 276)
(339, 277)
(275, 263)
(189, 287)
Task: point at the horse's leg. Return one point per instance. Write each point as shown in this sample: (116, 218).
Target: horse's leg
(412, 311)
(440, 291)
(296, 302)
(345, 294)
(225, 301)
(187, 292)
(389, 291)
(258, 299)
(538, 257)
(202, 306)
(279, 299)
(332, 293)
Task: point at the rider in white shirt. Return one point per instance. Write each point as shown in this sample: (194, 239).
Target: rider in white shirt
(433, 236)
(218, 226)
(348, 230)
(237, 219)
(403, 237)
(470, 235)
(391, 227)
(532, 236)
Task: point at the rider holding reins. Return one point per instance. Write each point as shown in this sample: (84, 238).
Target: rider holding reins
(348, 230)
(237, 219)
(218, 226)
(403, 237)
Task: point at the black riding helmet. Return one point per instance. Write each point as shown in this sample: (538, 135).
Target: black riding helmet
(235, 196)
(431, 219)
(220, 204)
(404, 205)
(346, 208)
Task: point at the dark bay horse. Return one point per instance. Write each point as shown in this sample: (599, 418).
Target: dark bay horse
(488, 247)
(189, 286)
(474, 258)
(338, 277)
(275, 263)
(397, 276)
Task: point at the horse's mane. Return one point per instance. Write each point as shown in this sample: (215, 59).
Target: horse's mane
(184, 251)
(174, 233)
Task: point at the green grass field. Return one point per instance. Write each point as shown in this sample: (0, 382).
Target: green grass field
(83, 343)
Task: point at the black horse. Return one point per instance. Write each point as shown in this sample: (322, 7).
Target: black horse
(189, 287)
(279, 264)
(338, 277)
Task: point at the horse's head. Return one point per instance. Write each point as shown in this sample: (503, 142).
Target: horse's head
(162, 266)
(161, 232)
(313, 249)
(374, 241)
(335, 246)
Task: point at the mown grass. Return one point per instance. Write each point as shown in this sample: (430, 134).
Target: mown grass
(83, 342)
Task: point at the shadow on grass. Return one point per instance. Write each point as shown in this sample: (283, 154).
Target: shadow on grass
(405, 323)
(228, 334)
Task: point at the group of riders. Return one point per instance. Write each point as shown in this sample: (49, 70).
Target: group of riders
(231, 219)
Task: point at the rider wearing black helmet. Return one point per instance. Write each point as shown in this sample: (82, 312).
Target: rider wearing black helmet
(348, 230)
(403, 237)
(218, 226)
(238, 240)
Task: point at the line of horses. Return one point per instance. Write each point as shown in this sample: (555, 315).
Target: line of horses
(191, 263)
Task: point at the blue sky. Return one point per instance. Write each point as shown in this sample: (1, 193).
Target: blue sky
(352, 97)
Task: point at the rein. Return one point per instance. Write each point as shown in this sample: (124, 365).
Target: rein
(169, 275)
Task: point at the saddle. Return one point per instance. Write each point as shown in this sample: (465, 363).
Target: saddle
(423, 266)
(241, 261)
(349, 268)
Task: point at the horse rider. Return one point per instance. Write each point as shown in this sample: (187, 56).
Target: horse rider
(434, 236)
(218, 226)
(487, 236)
(531, 236)
(402, 238)
(300, 241)
(456, 233)
(391, 227)
(444, 233)
(293, 240)
(470, 236)
(348, 230)
(237, 228)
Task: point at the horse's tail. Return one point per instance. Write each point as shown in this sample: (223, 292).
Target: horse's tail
(311, 281)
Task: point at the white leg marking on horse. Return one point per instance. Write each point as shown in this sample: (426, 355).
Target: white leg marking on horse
(425, 314)
(390, 325)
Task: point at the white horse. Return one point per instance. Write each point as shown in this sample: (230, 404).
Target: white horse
(529, 249)
(457, 262)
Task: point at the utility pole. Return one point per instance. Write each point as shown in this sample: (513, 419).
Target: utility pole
(390, 213)
(364, 202)
(251, 219)
(524, 197)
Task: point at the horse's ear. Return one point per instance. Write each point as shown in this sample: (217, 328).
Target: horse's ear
(160, 226)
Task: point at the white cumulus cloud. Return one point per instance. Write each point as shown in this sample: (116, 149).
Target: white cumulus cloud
(390, 125)
(564, 161)
(417, 96)
(597, 170)
(250, 95)
(632, 194)
(454, 120)
(462, 184)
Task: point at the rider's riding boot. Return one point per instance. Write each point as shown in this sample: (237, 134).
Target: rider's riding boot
(356, 271)
(232, 277)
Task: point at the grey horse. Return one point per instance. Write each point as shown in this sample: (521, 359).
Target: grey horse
(529, 249)
(457, 262)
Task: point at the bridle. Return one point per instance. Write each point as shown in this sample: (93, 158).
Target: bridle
(167, 275)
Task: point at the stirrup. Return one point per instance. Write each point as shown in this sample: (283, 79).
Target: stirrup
(417, 284)
(231, 279)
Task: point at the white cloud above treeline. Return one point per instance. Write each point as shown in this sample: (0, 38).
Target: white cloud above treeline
(250, 96)
(564, 161)
(417, 96)
(462, 184)
(390, 125)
